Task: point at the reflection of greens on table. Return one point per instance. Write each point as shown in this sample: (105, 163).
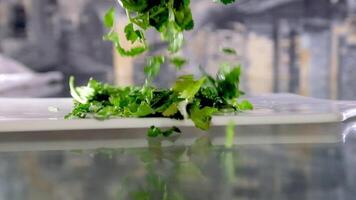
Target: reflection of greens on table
(196, 99)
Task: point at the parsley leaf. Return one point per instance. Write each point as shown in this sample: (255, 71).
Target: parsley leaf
(228, 82)
(187, 86)
(109, 18)
(114, 38)
(133, 35)
(201, 116)
(178, 62)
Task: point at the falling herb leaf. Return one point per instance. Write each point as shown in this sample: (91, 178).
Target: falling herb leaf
(153, 66)
(197, 99)
(229, 51)
(115, 39)
(109, 18)
(178, 62)
(133, 35)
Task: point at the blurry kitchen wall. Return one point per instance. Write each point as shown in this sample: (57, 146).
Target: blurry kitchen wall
(306, 47)
(298, 46)
(56, 35)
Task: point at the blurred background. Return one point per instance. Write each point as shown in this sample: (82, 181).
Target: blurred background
(306, 47)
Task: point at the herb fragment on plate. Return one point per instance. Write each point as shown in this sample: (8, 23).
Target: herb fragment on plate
(201, 99)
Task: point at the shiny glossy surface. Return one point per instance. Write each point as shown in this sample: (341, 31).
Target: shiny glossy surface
(268, 162)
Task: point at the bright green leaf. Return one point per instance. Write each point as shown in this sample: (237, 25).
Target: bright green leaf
(202, 117)
(187, 86)
(245, 105)
(109, 18)
(171, 110)
(178, 62)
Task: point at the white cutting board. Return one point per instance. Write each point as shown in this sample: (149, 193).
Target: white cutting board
(31, 115)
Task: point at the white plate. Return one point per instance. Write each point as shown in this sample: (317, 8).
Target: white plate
(31, 115)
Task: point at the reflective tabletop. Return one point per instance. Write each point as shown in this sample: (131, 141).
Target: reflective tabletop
(245, 162)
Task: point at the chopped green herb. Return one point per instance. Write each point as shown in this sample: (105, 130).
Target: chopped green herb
(187, 87)
(201, 99)
(197, 99)
(229, 51)
(169, 17)
(202, 116)
(178, 62)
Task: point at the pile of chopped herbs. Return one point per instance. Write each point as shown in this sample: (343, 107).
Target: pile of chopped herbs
(188, 98)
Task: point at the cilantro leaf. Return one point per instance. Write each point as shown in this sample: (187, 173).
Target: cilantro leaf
(171, 110)
(228, 82)
(143, 110)
(114, 38)
(109, 18)
(133, 35)
(178, 62)
(246, 105)
(134, 5)
(187, 87)
(201, 116)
